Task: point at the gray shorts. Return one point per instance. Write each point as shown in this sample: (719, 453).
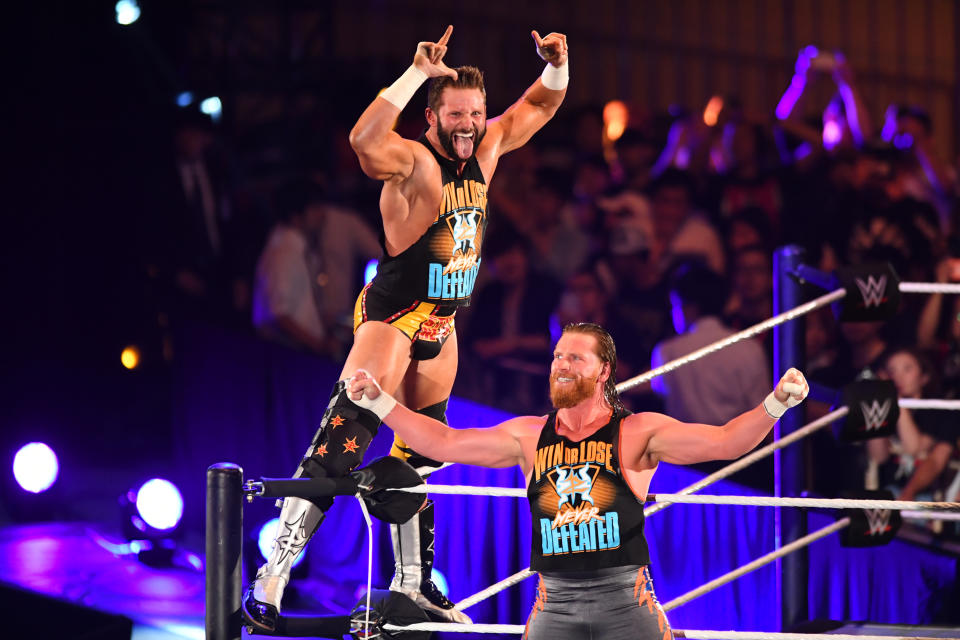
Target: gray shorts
(611, 604)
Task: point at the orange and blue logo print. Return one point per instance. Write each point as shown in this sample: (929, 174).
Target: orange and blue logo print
(537, 605)
(643, 592)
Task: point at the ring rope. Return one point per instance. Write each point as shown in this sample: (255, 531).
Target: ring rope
(749, 332)
(930, 287)
(730, 469)
(366, 516)
(691, 634)
(494, 589)
(929, 403)
(759, 454)
(756, 564)
(747, 501)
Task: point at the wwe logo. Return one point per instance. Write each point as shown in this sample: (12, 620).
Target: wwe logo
(872, 290)
(878, 520)
(875, 414)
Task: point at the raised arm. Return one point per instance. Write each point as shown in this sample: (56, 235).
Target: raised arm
(537, 105)
(677, 442)
(383, 154)
(496, 446)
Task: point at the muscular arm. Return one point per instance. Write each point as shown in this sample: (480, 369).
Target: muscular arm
(383, 154)
(683, 443)
(676, 442)
(497, 446)
(536, 106)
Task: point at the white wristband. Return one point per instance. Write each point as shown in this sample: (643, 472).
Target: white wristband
(381, 405)
(773, 407)
(555, 78)
(399, 93)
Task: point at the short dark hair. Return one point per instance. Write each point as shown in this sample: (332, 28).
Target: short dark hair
(467, 78)
(606, 350)
(697, 284)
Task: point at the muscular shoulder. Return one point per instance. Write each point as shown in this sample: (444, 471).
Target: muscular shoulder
(524, 426)
(637, 429)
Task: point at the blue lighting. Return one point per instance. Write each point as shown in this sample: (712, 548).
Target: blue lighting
(128, 11)
(370, 271)
(441, 581)
(268, 532)
(184, 99)
(160, 504)
(35, 467)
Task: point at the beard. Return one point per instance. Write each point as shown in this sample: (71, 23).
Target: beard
(446, 141)
(567, 396)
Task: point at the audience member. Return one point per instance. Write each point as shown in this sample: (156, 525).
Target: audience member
(721, 385)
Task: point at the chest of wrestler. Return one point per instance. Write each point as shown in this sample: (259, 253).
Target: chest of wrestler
(584, 513)
(433, 250)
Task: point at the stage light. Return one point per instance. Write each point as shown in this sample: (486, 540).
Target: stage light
(440, 580)
(159, 504)
(265, 538)
(832, 134)
(128, 11)
(615, 117)
(35, 467)
(370, 271)
(212, 107)
(711, 112)
(130, 357)
(184, 99)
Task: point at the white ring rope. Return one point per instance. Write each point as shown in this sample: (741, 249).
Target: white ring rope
(930, 287)
(366, 516)
(494, 589)
(756, 564)
(692, 634)
(747, 501)
(929, 403)
(759, 454)
(730, 469)
(906, 287)
(749, 332)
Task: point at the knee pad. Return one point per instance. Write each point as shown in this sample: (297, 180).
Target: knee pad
(400, 449)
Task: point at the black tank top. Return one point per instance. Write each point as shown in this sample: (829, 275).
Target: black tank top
(441, 267)
(584, 514)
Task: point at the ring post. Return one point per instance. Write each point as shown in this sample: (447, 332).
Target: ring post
(788, 478)
(224, 550)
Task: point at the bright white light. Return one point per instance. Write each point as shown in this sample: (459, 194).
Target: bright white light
(127, 11)
(160, 504)
(212, 107)
(184, 99)
(370, 271)
(35, 467)
(268, 533)
(440, 580)
(832, 134)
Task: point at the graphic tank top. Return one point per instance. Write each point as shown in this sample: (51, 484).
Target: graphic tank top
(441, 267)
(584, 514)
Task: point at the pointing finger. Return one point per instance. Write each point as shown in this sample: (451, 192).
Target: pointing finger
(446, 35)
(537, 39)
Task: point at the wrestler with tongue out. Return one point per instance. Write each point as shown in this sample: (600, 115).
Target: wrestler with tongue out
(434, 211)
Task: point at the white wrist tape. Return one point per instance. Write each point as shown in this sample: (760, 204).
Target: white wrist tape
(773, 407)
(555, 78)
(399, 93)
(381, 405)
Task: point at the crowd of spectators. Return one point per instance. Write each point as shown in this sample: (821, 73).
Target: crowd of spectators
(663, 233)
